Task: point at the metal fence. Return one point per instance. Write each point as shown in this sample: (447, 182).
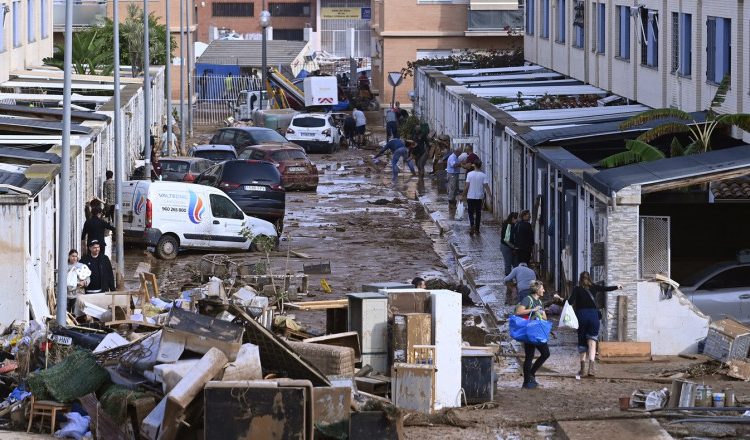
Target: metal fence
(215, 93)
(654, 250)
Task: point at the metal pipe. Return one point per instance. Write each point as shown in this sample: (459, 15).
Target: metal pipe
(189, 52)
(182, 76)
(119, 154)
(264, 18)
(63, 209)
(146, 95)
(168, 73)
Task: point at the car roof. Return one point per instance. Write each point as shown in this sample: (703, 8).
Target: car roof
(701, 275)
(183, 159)
(273, 147)
(222, 147)
(247, 128)
(314, 115)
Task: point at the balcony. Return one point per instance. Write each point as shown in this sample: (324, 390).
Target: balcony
(85, 13)
(482, 23)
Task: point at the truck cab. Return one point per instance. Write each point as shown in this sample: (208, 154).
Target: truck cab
(246, 102)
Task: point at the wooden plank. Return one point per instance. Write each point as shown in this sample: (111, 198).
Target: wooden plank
(628, 360)
(739, 369)
(624, 349)
(642, 429)
(622, 317)
(300, 254)
(319, 305)
(101, 424)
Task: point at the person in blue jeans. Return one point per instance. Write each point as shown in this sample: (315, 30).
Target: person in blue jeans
(399, 150)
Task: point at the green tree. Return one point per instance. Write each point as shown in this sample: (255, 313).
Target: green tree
(675, 122)
(90, 54)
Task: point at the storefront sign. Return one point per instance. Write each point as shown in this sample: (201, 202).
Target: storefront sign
(345, 13)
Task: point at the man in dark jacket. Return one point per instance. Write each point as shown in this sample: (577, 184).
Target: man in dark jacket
(94, 228)
(523, 236)
(102, 278)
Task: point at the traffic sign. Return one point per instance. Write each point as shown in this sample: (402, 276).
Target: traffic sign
(395, 78)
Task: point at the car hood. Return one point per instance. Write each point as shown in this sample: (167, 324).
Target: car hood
(260, 227)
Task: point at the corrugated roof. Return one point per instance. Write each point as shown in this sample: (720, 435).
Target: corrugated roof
(511, 77)
(248, 52)
(491, 70)
(537, 91)
(566, 161)
(20, 181)
(28, 155)
(671, 169)
(51, 112)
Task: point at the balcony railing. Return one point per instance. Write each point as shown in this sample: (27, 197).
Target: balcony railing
(494, 21)
(85, 13)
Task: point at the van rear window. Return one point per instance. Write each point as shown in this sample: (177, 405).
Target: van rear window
(174, 166)
(247, 172)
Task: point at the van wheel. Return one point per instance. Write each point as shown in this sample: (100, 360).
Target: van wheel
(167, 247)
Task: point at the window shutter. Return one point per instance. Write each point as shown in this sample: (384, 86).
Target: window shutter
(727, 43)
(711, 50)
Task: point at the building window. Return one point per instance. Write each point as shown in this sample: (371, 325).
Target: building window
(289, 34)
(545, 19)
(682, 42)
(30, 17)
(44, 18)
(561, 21)
(650, 38)
(289, 9)
(601, 28)
(232, 9)
(718, 49)
(623, 32)
(17, 24)
(2, 33)
(578, 18)
(530, 18)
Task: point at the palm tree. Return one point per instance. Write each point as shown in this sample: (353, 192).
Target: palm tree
(676, 122)
(90, 54)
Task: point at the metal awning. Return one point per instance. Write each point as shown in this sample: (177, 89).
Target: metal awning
(54, 113)
(57, 85)
(536, 91)
(566, 162)
(32, 126)
(493, 5)
(28, 155)
(43, 97)
(491, 70)
(674, 172)
(516, 77)
(575, 113)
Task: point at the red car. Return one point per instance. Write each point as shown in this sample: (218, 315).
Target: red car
(297, 172)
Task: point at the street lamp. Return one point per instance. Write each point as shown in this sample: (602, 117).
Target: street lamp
(265, 21)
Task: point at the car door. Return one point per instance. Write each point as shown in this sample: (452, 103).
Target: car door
(242, 141)
(335, 133)
(727, 293)
(227, 224)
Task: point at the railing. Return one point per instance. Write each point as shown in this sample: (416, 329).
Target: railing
(85, 13)
(495, 20)
(214, 94)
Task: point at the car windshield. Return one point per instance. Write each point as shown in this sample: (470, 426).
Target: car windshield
(174, 166)
(247, 172)
(282, 155)
(701, 275)
(263, 136)
(215, 155)
(309, 122)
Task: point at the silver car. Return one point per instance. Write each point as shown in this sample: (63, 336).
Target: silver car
(721, 290)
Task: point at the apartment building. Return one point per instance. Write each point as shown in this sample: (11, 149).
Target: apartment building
(660, 53)
(221, 18)
(25, 34)
(407, 30)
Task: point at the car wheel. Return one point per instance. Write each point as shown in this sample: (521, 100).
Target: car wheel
(167, 247)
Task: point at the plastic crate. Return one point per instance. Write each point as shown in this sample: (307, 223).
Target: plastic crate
(727, 339)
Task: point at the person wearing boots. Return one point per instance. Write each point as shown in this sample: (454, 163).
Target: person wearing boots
(583, 300)
(531, 307)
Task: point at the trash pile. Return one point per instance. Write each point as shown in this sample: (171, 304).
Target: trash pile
(213, 363)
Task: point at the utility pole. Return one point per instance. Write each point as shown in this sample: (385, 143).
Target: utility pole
(64, 209)
(119, 154)
(182, 75)
(189, 52)
(265, 21)
(146, 95)
(168, 79)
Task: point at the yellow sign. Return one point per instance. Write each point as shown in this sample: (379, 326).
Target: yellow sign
(340, 13)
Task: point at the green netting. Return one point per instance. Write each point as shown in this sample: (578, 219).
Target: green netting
(115, 399)
(76, 376)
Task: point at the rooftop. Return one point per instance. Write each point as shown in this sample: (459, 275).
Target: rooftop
(248, 52)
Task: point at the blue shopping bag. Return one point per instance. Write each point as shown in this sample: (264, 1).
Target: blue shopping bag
(537, 331)
(518, 327)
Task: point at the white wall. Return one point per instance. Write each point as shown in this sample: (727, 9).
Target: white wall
(673, 326)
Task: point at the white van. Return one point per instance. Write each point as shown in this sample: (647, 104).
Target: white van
(171, 216)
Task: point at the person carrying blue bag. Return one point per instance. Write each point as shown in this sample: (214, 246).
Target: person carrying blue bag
(535, 332)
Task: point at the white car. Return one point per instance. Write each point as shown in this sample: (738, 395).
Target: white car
(315, 132)
(171, 216)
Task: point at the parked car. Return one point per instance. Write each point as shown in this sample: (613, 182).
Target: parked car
(297, 171)
(242, 137)
(183, 169)
(214, 152)
(256, 187)
(721, 290)
(171, 216)
(315, 132)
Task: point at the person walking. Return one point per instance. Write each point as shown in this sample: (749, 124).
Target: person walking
(168, 146)
(477, 185)
(506, 247)
(155, 165)
(76, 283)
(523, 276)
(421, 149)
(108, 193)
(584, 304)
(531, 307)
(523, 236)
(453, 169)
(102, 278)
(229, 86)
(399, 150)
(360, 124)
(349, 131)
(94, 228)
(391, 123)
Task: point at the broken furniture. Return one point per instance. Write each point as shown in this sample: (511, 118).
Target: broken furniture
(46, 408)
(446, 335)
(368, 316)
(345, 339)
(198, 333)
(331, 360)
(332, 408)
(413, 387)
(336, 312)
(624, 352)
(477, 375)
(317, 269)
(408, 330)
(727, 339)
(377, 287)
(375, 425)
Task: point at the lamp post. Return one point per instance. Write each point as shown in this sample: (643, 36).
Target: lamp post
(265, 21)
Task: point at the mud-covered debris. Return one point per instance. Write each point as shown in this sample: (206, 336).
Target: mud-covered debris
(446, 417)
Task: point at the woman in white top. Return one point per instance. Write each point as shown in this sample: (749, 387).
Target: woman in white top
(77, 279)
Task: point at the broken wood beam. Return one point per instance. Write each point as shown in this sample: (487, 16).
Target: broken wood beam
(624, 349)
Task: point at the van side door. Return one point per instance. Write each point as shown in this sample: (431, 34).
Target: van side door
(226, 226)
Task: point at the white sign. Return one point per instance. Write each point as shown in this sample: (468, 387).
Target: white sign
(395, 78)
(465, 140)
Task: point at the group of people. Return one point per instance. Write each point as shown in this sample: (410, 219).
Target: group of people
(355, 126)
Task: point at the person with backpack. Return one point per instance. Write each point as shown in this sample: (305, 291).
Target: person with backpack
(585, 306)
(531, 307)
